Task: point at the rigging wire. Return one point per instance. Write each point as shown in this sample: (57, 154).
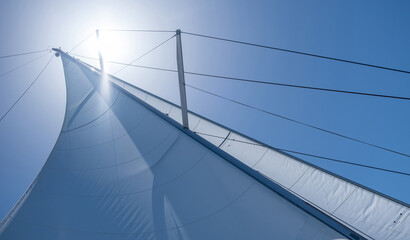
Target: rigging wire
(32, 83)
(24, 64)
(25, 53)
(298, 52)
(307, 154)
(259, 81)
(126, 64)
(298, 122)
(143, 55)
(298, 86)
(137, 30)
(81, 42)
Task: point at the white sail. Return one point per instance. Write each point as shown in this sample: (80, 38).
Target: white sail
(122, 170)
(371, 214)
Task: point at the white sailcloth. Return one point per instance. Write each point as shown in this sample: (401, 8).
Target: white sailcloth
(119, 170)
(369, 213)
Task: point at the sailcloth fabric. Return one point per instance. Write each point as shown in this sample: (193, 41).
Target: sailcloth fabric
(369, 213)
(120, 171)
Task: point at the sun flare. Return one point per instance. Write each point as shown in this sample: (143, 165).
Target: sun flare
(110, 44)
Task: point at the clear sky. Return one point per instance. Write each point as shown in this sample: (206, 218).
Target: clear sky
(375, 32)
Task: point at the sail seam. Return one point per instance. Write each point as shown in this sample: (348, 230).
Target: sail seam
(266, 151)
(76, 128)
(149, 152)
(298, 178)
(128, 193)
(347, 198)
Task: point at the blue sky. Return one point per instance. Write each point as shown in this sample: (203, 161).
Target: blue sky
(367, 31)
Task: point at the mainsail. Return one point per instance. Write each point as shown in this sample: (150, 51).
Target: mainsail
(124, 168)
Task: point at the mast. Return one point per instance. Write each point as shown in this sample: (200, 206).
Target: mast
(181, 78)
(97, 33)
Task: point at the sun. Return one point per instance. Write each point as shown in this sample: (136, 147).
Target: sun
(110, 44)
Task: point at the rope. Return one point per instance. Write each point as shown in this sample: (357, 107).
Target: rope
(82, 41)
(24, 64)
(143, 55)
(26, 53)
(26, 89)
(298, 52)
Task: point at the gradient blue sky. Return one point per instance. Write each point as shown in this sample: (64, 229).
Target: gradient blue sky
(375, 32)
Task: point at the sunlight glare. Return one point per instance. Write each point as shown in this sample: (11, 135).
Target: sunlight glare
(111, 45)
